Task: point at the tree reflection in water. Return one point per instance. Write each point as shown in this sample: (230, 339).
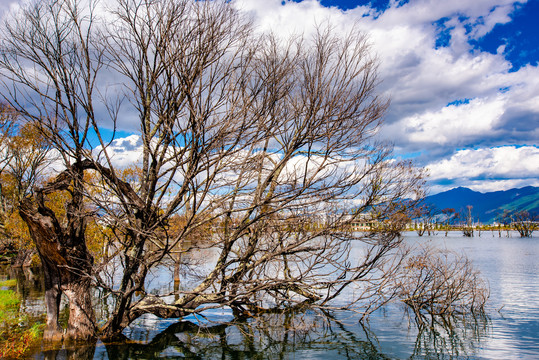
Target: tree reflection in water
(303, 334)
(270, 336)
(292, 335)
(449, 337)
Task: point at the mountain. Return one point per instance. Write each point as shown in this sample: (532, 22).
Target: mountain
(488, 206)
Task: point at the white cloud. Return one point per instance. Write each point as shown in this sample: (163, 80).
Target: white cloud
(485, 186)
(125, 152)
(291, 18)
(418, 77)
(454, 124)
(421, 80)
(8, 5)
(498, 15)
(497, 163)
(435, 77)
(499, 185)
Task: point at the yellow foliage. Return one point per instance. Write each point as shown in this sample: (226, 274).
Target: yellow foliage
(132, 175)
(97, 236)
(18, 231)
(56, 202)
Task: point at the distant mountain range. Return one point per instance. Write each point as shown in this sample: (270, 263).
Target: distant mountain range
(488, 206)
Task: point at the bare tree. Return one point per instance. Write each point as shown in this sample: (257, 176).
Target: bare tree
(468, 225)
(425, 219)
(441, 283)
(450, 216)
(524, 222)
(251, 137)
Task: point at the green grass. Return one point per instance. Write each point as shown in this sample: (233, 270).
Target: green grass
(8, 299)
(9, 311)
(16, 341)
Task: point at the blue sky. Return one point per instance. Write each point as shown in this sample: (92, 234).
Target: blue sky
(462, 76)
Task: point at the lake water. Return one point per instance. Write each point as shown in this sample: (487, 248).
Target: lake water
(510, 329)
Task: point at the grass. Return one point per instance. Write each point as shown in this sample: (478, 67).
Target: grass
(15, 340)
(8, 300)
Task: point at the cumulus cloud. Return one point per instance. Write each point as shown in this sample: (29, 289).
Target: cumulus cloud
(8, 5)
(488, 169)
(420, 77)
(125, 152)
(504, 162)
(455, 124)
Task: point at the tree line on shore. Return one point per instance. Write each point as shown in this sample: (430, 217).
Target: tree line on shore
(429, 219)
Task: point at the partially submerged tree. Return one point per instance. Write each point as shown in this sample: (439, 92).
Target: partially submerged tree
(49, 65)
(250, 136)
(425, 218)
(468, 221)
(450, 216)
(524, 222)
(441, 283)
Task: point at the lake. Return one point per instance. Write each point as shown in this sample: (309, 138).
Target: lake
(510, 329)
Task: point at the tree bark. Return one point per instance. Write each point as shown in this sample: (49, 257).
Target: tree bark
(81, 324)
(66, 264)
(53, 331)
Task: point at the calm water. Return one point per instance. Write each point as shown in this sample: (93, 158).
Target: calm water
(509, 331)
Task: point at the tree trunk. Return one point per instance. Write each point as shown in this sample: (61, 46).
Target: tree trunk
(53, 331)
(81, 324)
(66, 264)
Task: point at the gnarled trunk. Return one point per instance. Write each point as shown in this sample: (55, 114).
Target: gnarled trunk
(66, 264)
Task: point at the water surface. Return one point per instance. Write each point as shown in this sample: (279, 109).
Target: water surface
(510, 329)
